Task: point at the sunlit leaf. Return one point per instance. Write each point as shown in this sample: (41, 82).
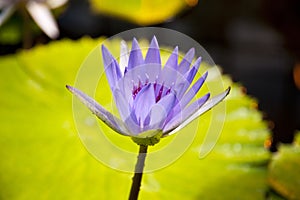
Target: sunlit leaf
(284, 173)
(143, 12)
(297, 138)
(42, 156)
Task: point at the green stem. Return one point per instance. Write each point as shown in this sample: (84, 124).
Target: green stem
(27, 33)
(137, 178)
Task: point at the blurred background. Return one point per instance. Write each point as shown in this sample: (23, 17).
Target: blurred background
(256, 42)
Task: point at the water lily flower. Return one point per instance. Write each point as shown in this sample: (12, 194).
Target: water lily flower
(39, 11)
(153, 100)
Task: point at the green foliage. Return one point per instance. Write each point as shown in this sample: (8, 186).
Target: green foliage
(284, 176)
(297, 138)
(11, 32)
(143, 12)
(42, 156)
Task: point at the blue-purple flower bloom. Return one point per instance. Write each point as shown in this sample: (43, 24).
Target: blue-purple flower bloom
(151, 98)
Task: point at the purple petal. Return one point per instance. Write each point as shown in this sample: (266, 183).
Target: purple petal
(112, 69)
(132, 124)
(144, 100)
(125, 85)
(169, 73)
(135, 57)
(124, 56)
(211, 103)
(147, 120)
(122, 104)
(185, 114)
(160, 111)
(180, 88)
(190, 94)
(207, 106)
(169, 77)
(172, 62)
(184, 65)
(153, 54)
(190, 75)
(182, 84)
(113, 122)
(157, 117)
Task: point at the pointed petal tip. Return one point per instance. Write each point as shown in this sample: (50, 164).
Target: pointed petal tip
(73, 90)
(191, 52)
(70, 88)
(154, 43)
(197, 63)
(209, 103)
(134, 39)
(108, 118)
(227, 91)
(172, 61)
(217, 99)
(153, 54)
(124, 48)
(205, 75)
(175, 51)
(123, 42)
(105, 52)
(199, 59)
(207, 95)
(104, 49)
(186, 62)
(135, 44)
(107, 57)
(135, 55)
(204, 98)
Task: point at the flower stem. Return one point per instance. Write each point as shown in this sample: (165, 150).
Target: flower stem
(27, 32)
(137, 178)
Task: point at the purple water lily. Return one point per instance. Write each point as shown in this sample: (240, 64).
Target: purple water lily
(151, 98)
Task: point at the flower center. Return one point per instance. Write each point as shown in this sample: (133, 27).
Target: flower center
(159, 89)
(137, 88)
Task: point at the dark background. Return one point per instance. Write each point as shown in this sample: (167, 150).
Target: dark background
(257, 42)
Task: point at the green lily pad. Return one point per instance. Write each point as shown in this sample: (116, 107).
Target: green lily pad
(297, 138)
(43, 157)
(283, 175)
(143, 12)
